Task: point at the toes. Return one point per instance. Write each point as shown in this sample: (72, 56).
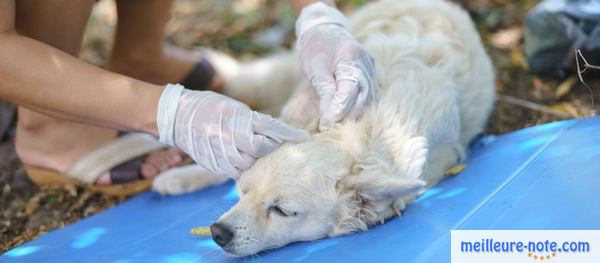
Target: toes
(166, 159)
(174, 156)
(159, 160)
(104, 179)
(178, 155)
(177, 151)
(153, 164)
(149, 170)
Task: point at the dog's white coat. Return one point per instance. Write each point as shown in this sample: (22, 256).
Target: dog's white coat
(435, 93)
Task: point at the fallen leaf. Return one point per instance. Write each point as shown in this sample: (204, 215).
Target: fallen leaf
(507, 38)
(567, 108)
(32, 205)
(565, 87)
(455, 170)
(518, 59)
(200, 231)
(499, 87)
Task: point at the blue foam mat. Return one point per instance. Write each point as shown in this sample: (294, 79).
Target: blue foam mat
(545, 177)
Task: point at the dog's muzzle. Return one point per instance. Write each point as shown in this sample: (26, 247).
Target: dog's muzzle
(221, 234)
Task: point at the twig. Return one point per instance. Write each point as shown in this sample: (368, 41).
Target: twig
(534, 106)
(580, 71)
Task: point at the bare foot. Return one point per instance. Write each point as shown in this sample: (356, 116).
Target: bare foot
(54, 144)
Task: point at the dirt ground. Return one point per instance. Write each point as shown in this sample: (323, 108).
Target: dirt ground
(250, 28)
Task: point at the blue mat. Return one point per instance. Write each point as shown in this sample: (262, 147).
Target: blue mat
(545, 177)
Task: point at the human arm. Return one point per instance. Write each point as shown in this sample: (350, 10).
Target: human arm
(47, 80)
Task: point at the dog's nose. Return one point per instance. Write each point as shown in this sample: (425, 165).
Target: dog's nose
(220, 234)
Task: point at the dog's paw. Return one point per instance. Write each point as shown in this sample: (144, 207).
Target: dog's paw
(398, 206)
(185, 179)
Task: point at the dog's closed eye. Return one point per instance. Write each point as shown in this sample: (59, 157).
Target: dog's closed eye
(281, 212)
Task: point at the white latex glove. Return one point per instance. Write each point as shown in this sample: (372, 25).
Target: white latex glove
(338, 67)
(221, 134)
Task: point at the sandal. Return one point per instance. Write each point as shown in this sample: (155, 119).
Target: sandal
(201, 76)
(121, 157)
(213, 67)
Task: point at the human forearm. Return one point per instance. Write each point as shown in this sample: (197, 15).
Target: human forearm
(47, 80)
(298, 5)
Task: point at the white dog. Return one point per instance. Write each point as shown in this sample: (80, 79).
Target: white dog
(435, 93)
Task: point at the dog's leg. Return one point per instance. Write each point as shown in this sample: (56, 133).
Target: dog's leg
(265, 84)
(442, 158)
(185, 179)
(268, 83)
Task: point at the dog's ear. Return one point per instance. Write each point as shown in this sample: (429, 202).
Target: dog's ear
(371, 201)
(386, 190)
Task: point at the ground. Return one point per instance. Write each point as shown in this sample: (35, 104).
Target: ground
(249, 28)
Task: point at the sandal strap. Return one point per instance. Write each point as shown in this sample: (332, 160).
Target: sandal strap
(125, 148)
(200, 77)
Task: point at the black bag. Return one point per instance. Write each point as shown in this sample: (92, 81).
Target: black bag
(555, 28)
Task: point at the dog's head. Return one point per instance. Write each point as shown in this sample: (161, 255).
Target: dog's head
(305, 192)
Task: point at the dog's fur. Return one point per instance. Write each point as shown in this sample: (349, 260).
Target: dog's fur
(435, 93)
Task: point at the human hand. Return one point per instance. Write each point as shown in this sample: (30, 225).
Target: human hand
(221, 134)
(338, 67)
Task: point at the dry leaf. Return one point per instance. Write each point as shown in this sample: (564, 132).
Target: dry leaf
(499, 87)
(567, 108)
(565, 87)
(32, 205)
(455, 170)
(507, 38)
(200, 231)
(518, 59)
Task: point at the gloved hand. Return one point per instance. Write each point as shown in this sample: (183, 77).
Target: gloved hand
(338, 67)
(219, 133)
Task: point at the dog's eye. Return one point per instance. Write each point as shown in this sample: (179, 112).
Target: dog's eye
(281, 212)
